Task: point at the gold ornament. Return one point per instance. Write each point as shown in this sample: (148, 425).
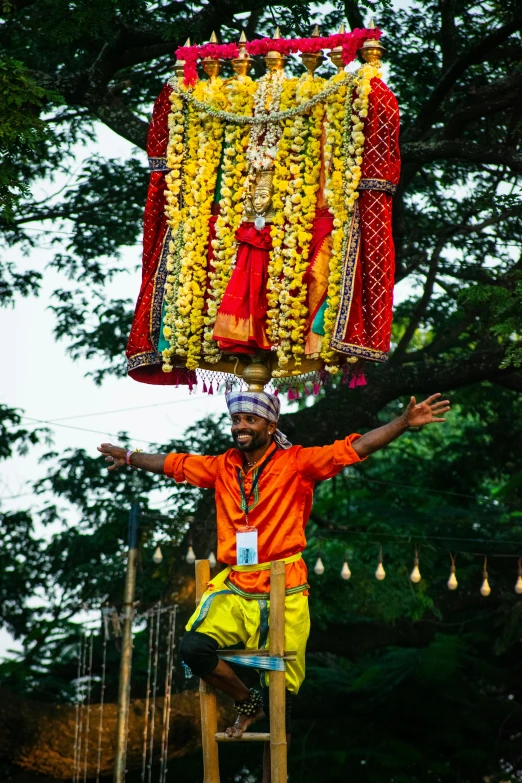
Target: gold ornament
(415, 575)
(380, 574)
(345, 572)
(485, 589)
(157, 557)
(452, 581)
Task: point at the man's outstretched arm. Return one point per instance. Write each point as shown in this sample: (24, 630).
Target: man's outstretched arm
(115, 456)
(415, 415)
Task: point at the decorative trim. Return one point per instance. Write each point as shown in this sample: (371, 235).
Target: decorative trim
(346, 289)
(158, 164)
(144, 359)
(352, 254)
(262, 596)
(383, 185)
(158, 291)
(204, 609)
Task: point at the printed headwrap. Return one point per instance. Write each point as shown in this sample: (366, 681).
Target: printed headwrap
(260, 403)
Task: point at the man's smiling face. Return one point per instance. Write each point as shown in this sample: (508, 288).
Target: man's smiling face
(251, 432)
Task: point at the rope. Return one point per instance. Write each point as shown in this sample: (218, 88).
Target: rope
(88, 719)
(102, 691)
(272, 663)
(173, 646)
(150, 621)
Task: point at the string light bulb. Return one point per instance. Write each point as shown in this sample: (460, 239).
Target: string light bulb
(157, 557)
(415, 575)
(190, 556)
(319, 567)
(518, 586)
(212, 560)
(380, 574)
(485, 589)
(452, 581)
(345, 571)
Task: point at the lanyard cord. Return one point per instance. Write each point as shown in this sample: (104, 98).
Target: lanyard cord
(253, 491)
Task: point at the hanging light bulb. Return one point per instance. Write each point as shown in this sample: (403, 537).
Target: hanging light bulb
(452, 581)
(212, 560)
(345, 572)
(157, 556)
(485, 589)
(319, 567)
(190, 557)
(518, 586)
(380, 574)
(415, 575)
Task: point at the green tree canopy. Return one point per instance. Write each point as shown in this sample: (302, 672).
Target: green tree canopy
(407, 683)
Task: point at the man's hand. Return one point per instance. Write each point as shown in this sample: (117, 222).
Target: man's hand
(427, 412)
(114, 455)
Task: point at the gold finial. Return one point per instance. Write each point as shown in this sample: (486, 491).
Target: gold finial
(211, 65)
(256, 375)
(312, 60)
(336, 55)
(371, 25)
(179, 65)
(372, 51)
(275, 61)
(242, 63)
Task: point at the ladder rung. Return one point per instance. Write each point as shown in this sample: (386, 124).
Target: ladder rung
(248, 736)
(289, 655)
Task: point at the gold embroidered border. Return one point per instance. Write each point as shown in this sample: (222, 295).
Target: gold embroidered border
(341, 324)
(384, 185)
(158, 291)
(158, 164)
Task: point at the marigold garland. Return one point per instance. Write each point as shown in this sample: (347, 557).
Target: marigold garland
(184, 308)
(239, 92)
(196, 131)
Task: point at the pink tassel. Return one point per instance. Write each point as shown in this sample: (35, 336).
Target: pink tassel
(361, 380)
(276, 392)
(353, 383)
(291, 395)
(317, 388)
(204, 387)
(306, 390)
(210, 389)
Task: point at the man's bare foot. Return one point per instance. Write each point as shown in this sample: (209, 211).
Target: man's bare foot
(242, 723)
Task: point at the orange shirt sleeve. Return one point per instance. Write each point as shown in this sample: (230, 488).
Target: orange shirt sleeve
(199, 471)
(324, 462)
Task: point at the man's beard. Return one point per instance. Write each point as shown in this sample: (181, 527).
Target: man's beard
(255, 442)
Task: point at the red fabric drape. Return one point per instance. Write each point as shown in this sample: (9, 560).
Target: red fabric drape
(143, 360)
(364, 324)
(241, 321)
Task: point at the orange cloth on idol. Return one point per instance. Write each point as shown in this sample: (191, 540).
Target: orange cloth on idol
(286, 489)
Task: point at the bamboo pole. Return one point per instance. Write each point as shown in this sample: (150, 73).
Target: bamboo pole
(126, 647)
(207, 697)
(278, 757)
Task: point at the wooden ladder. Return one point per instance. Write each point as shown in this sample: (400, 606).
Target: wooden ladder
(210, 736)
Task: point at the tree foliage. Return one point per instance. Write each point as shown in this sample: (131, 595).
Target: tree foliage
(406, 683)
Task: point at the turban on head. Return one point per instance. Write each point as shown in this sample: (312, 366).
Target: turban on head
(262, 404)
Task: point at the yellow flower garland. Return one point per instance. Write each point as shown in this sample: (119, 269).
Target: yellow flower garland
(299, 211)
(184, 317)
(240, 92)
(277, 232)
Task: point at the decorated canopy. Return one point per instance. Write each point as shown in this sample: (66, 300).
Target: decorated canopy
(268, 220)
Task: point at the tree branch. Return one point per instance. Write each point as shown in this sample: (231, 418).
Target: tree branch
(475, 54)
(343, 410)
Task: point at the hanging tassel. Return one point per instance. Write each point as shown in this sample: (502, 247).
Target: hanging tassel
(204, 387)
(316, 388)
(276, 391)
(210, 389)
(306, 390)
(291, 395)
(346, 374)
(361, 380)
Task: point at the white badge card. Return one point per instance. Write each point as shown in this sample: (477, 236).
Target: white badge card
(246, 546)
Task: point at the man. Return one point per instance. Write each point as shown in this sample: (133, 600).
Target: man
(264, 492)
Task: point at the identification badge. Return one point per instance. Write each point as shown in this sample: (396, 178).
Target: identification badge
(246, 546)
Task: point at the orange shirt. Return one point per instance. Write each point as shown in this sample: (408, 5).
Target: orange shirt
(286, 489)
